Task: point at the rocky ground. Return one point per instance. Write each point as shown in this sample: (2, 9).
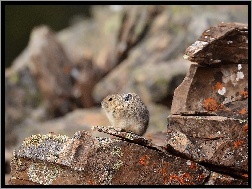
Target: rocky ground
(57, 83)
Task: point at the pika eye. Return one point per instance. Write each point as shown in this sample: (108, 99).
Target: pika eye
(127, 97)
(109, 99)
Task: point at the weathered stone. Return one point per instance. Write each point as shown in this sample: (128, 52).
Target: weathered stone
(49, 65)
(226, 43)
(129, 136)
(220, 90)
(215, 140)
(222, 179)
(56, 159)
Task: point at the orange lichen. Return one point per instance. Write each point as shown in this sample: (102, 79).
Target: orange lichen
(90, 182)
(245, 175)
(144, 160)
(176, 177)
(182, 179)
(210, 104)
(243, 111)
(201, 177)
(217, 86)
(193, 165)
(244, 94)
(164, 171)
(245, 128)
(238, 143)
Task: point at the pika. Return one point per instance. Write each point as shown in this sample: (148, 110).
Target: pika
(126, 112)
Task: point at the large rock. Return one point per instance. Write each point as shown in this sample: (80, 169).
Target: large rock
(57, 159)
(219, 90)
(226, 43)
(215, 140)
(209, 121)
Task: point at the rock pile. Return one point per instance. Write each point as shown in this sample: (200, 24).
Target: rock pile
(207, 133)
(209, 121)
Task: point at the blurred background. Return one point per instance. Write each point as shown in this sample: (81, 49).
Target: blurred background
(61, 61)
(21, 19)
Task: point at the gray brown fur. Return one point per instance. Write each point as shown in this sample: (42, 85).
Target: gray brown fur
(126, 112)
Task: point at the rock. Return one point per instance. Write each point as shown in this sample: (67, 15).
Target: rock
(57, 159)
(209, 121)
(49, 64)
(79, 119)
(225, 91)
(215, 140)
(222, 179)
(226, 43)
(21, 98)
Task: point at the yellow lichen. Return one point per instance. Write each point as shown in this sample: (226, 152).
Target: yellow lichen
(37, 139)
(43, 173)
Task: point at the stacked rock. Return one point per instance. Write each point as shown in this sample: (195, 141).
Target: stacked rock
(209, 114)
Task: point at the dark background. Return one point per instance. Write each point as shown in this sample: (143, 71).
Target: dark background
(21, 19)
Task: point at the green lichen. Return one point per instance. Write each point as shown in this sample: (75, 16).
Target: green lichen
(43, 173)
(14, 78)
(38, 139)
(117, 151)
(117, 165)
(129, 136)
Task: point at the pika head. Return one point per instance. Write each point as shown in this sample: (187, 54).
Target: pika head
(126, 112)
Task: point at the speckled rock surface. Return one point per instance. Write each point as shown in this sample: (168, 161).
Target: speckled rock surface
(220, 90)
(215, 140)
(222, 179)
(225, 43)
(86, 160)
(209, 121)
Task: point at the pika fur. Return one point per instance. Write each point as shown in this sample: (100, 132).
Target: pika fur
(126, 112)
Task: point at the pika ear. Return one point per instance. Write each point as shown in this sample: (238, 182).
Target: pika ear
(127, 97)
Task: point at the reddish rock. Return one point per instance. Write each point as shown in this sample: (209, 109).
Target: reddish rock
(56, 159)
(226, 43)
(220, 90)
(220, 141)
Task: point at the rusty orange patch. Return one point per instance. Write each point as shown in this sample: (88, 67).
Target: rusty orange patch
(245, 128)
(144, 160)
(217, 86)
(238, 143)
(244, 94)
(245, 175)
(193, 165)
(201, 177)
(210, 104)
(176, 177)
(243, 111)
(90, 182)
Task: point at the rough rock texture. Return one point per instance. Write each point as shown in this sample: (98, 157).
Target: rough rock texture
(209, 121)
(141, 41)
(216, 140)
(226, 43)
(222, 179)
(220, 90)
(83, 159)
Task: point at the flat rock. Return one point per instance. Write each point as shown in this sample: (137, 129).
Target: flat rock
(214, 140)
(57, 160)
(220, 90)
(225, 43)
